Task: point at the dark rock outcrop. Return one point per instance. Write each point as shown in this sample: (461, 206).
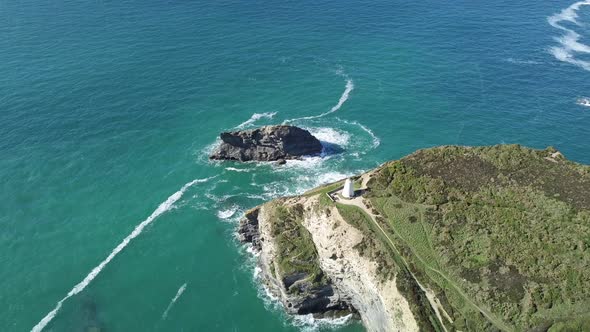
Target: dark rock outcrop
(248, 229)
(322, 300)
(268, 143)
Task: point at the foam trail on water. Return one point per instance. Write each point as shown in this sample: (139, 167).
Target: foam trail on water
(570, 41)
(343, 98)
(163, 207)
(178, 294)
(255, 117)
(240, 170)
(376, 140)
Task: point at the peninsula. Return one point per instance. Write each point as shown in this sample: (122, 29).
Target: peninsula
(446, 239)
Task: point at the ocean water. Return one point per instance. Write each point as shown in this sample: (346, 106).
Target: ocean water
(112, 217)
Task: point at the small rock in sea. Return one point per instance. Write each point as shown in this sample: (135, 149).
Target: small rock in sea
(270, 143)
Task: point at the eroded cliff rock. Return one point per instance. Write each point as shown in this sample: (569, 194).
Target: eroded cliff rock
(289, 262)
(270, 143)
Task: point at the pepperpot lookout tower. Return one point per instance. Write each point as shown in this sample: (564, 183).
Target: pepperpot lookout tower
(348, 191)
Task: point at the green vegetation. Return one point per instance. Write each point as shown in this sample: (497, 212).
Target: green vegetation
(324, 189)
(502, 233)
(390, 264)
(297, 255)
(572, 324)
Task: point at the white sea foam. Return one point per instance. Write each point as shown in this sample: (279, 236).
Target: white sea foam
(178, 294)
(163, 207)
(255, 253)
(208, 150)
(583, 102)
(276, 189)
(303, 164)
(240, 170)
(343, 98)
(256, 196)
(227, 213)
(257, 271)
(329, 177)
(331, 135)
(255, 117)
(272, 302)
(376, 140)
(309, 323)
(569, 42)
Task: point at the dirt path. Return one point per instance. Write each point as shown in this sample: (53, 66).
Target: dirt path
(359, 202)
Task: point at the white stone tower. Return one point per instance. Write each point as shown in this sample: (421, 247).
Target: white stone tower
(348, 190)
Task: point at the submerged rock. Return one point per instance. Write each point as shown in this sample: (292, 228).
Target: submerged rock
(268, 143)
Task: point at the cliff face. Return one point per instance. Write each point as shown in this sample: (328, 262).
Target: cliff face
(334, 281)
(289, 261)
(268, 143)
(449, 238)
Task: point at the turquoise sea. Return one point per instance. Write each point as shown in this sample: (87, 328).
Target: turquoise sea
(111, 216)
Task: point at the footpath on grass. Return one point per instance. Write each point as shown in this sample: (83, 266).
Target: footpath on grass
(358, 201)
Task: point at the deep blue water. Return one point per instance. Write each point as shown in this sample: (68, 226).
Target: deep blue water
(108, 108)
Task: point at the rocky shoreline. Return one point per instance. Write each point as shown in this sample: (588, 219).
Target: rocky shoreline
(298, 294)
(352, 286)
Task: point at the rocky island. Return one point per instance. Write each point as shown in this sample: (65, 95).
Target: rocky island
(270, 143)
(446, 239)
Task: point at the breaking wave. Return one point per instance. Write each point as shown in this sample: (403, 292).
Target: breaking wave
(331, 135)
(162, 208)
(255, 117)
(309, 323)
(376, 140)
(570, 44)
(343, 98)
(227, 213)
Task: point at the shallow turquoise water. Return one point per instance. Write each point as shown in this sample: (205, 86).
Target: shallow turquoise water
(109, 108)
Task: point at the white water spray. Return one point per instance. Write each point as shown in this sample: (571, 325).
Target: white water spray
(255, 117)
(569, 42)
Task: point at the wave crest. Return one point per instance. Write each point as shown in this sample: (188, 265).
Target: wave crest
(343, 98)
(569, 42)
(162, 208)
(255, 117)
